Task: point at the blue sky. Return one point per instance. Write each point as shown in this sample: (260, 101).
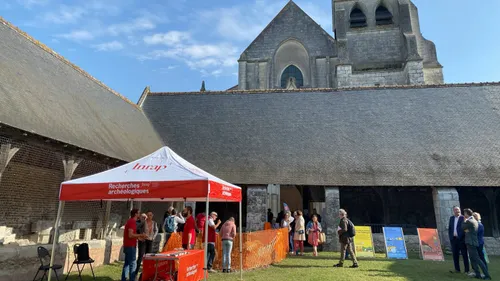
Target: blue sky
(172, 45)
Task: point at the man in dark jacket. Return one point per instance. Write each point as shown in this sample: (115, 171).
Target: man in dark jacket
(345, 240)
(470, 227)
(456, 235)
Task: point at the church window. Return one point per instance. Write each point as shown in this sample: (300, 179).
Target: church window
(383, 16)
(357, 18)
(292, 75)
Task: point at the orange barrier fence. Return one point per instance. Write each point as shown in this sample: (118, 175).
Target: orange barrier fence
(260, 248)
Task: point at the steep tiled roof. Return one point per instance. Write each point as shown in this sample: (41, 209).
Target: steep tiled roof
(43, 93)
(441, 135)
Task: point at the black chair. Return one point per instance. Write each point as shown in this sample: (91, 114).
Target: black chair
(44, 256)
(82, 256)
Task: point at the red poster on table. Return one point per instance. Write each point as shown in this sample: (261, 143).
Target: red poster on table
(180, 266)
(191, 267)
(430, 246)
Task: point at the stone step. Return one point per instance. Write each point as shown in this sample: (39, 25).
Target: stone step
(5, 231)
(8, 239)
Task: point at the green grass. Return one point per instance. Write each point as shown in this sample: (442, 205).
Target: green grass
(320, 269)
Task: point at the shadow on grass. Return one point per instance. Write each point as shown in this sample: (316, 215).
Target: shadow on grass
(301, 266)
(86, 277)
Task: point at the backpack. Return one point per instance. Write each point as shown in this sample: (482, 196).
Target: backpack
(170, 224)
(351, 230)
(83, 252)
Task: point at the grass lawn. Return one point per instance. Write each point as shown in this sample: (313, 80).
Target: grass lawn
(320, 269)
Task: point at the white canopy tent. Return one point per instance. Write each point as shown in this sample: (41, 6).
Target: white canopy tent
(161, 176)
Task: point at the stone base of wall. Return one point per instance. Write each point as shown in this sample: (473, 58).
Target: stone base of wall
(412, 244)
(21, 262)
(492, 246)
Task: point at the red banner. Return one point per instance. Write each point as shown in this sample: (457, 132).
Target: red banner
(430, 246)
(187, 267)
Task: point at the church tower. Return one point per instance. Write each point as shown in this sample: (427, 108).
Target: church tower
(383, 37)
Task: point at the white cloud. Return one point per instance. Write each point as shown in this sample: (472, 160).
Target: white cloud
(31, 3)
(138, 24)
(77, 35)
(170, 67)
(108, 46)
(65, 14)
(170, 38)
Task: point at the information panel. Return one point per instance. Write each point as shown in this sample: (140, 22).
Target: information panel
(363, 242)
(430, 246)
(395, 245)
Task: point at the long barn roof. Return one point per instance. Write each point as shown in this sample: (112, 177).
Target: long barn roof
(446, 135)
(43, 93)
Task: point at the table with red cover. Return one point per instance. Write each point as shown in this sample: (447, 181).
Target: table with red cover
(174, 265)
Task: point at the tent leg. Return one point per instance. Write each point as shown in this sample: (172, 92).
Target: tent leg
(56, 236)
(206, 234)
(241, 244)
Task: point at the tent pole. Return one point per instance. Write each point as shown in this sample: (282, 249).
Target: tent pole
(55, 239)
(206, 232)
(241, 244)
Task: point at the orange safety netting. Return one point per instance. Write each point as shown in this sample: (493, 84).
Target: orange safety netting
(260, 248)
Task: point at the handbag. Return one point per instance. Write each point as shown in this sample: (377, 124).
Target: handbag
(300, 232)
(322, 238)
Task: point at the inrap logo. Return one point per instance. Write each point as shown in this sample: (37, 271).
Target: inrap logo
(155, 168)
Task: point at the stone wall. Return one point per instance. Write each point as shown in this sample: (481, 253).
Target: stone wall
(21, 262)
(346, 77)
(256, 208)
(372, 47)
(414, 71)
(433, 75)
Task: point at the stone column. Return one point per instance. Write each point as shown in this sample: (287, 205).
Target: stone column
(256, 207)
(445, 198)
(70, 164)
(330, 221)
(242, 75)
(6, 154)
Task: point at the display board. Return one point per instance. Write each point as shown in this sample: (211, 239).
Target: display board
(395, 245)
(430, 245)
(363, 242)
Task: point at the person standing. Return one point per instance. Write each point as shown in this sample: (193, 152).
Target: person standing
(150, 229)
(228, 233)
(130, 237)
(315, 213)
(480, 238)
(345, 232)
(201, 218)
(470, 227)
(189, 233)
(212, 226)
(457, 240)
(287, 222)
(170, 224)
(313, 229)
(300, 233)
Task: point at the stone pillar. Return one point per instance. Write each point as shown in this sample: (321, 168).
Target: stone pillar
(445, 198)
(242, 75)
(256, 207)
(6, 154)
(330, 221)
(70, 164)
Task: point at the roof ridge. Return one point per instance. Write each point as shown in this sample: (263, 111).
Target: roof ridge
(266, 91)
(63, 59)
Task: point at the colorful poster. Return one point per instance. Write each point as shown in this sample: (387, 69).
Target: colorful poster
(363, 242)
(430, 246)
(395, 245)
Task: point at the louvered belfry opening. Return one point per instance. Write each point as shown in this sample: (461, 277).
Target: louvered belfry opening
(383, 16)
(357, 18)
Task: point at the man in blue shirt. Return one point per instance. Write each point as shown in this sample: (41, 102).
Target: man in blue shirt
(457, 240)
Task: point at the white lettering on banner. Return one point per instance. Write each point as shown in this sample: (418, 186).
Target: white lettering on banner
(155, 168)
(128, 188)
(225, 193)
(192, 270)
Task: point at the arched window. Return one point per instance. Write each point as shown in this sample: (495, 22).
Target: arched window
(383, 16)
(357, 18)
(292, 72)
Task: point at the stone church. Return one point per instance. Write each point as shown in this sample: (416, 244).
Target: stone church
(376, 43)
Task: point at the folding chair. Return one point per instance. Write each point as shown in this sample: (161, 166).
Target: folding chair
(44, 256)
(82, 256)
